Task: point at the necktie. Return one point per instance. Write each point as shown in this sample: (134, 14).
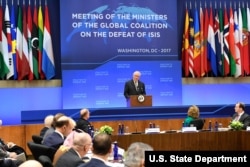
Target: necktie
(136, 86)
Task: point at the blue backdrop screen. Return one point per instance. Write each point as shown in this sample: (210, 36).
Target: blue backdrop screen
(94, 32)
(103, 42)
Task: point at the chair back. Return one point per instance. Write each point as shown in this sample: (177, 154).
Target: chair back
(198, 123)
(45, 161)
(39, 149)
(37, 139)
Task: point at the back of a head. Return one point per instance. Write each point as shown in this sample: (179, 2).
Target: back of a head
(102, 144)
(56, 117)
(63, 120)
(48, 121)
(194, 111)
(135, 155)
(84, 112)
(81, 139)
(31, 163)
(72, 122)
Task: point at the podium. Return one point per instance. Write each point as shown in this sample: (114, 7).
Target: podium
(140, 101)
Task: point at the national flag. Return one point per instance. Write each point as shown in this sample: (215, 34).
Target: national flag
(218, 30)
(4, 67)
(34, 42)
(48, 64)
(22, 59)
(202, 40)
(211, 45)
(25, 43)
(185, 46)
(245, 51)
(226, 62)
(207, 68)
(191, 44)
(231, 42)
(8, 35)
(29, 29)
(40, 41)
(237, 45)
(13, 38)
(197, 44)
(241, 40)
(248, 26)
(218, 43)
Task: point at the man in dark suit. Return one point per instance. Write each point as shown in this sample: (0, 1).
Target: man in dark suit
(83, 122)
(102, 147)
(82, 143)
(134, 86)
(241, 115)
(63, 126)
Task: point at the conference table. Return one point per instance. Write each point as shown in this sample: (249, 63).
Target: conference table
(190, 141)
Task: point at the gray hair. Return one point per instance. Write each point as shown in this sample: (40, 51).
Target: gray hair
(135, 154)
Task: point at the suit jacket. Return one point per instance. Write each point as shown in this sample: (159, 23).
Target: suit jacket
(130, 89)
(245, 119)
(53, 140)
(83, 125)
(43, 131)
(94, 163)
(69, 159)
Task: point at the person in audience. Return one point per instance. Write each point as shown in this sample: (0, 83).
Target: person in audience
(134, 86)
(63, 127)
(102, 147)
(82, 143)
(31, 163)
(7, 163)
(83, 122)
(10, 149)
(68, 142)
(241, 115)
(193, 113)
(48, 120)
(52, 128)
(135, 155)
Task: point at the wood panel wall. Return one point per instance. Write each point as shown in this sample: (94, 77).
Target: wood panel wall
(21, 134)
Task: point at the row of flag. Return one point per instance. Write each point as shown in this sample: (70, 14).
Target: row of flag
(216, 41)
(26, 51)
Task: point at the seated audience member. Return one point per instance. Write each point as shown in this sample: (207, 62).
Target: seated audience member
(68, 142)
(102, 147)
(8, 159)
(82, 142)
(11, 150)
(48, 120)
(31, 163)
(69, 139)
(7, 163)
(63, 127)
(135, 155)
(192, 114)
(241, 115)
(52, 128)
(83, 122)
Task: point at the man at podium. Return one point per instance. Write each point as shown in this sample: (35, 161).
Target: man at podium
(134, 86)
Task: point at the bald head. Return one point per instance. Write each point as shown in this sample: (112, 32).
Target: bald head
(82, 143)
(84, 113)
(31, 163)
(81, 139)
